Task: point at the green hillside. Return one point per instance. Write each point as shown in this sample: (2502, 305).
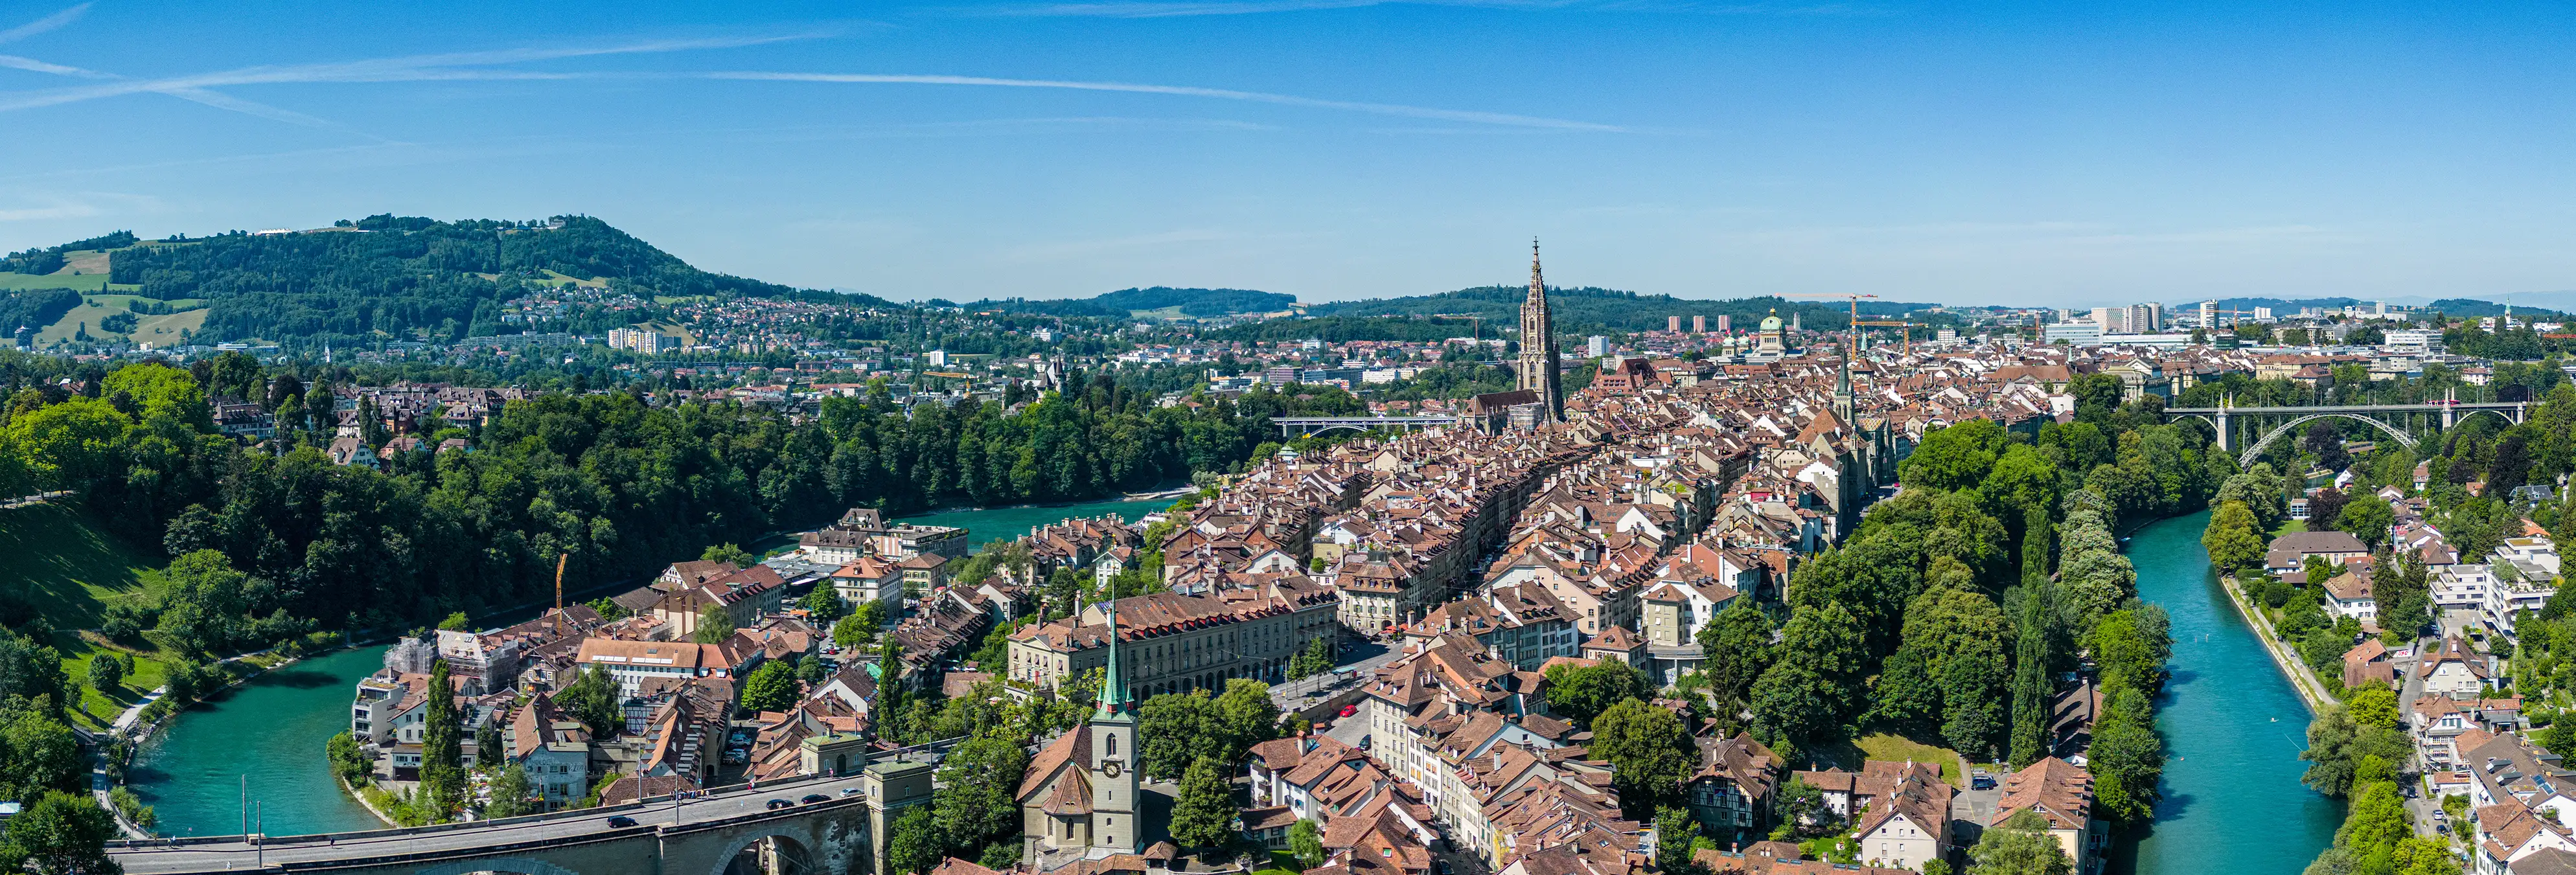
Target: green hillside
(64, 566)
(382, 276)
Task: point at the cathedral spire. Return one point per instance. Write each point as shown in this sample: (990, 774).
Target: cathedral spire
(1538, 286)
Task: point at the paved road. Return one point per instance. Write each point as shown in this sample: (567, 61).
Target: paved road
(219, 856)
(1367, 656)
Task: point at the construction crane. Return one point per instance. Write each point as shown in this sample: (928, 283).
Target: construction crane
(1857, 322)
(1475, 322)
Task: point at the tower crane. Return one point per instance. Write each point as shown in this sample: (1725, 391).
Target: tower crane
(1856, 321)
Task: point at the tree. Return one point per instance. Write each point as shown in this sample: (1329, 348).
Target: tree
(1737, 643)
(1316, 658)
(823, 605)
(974, 804)
(2127, 756)
(1174, 730)
(1814, 685)
(1579, 693)
(729, 554)
(442, 747)
(1306, 843)
(43, 754)
(2233, 537)
(1246, 715)
(2020, 845)
(853, 631)
(1953, 457)
(1648, 752)
(913, 844)
(1674, 829)
(61, 833)
(593, 699)
(771, 687)
(715, 624)
(106, 672)
(2368, 519)
(489, 750)
(1203, 815)
(2372, 706)
(2030, 680)
(455, 622)
(512, 794)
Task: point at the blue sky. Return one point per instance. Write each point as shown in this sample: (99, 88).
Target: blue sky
(2058, 153)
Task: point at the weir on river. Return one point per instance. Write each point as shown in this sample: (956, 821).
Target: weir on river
(2233, 731)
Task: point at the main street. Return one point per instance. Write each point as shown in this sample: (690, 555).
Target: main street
(220, 856)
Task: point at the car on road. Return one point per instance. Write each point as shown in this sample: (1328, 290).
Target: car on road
(849, 791)
(811, 798)
(1980, 781)
(776, 804)
(1348, 710)
(621, 821)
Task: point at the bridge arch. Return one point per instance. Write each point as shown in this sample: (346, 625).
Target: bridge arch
(795, 858)
(2256, 451)
(507, 865)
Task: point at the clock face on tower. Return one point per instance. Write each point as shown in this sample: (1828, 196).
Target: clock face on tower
(1109, 768)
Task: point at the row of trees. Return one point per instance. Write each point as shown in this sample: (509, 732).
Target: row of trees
(274, 545)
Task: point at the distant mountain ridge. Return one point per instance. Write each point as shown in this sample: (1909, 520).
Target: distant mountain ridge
(385, 275)
(1124, 302)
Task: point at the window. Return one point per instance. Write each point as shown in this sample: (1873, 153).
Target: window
(1113, 745)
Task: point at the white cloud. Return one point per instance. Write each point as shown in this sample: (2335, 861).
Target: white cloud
(1479, 117)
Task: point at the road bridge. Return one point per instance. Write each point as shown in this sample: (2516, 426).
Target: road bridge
(1295, 426)
(2399, 421)
(733, 832)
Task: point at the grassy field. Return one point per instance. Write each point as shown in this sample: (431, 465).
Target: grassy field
(88, 282)
(95, 708)
(1897, 749)
(156, 330)
(64, 563)
(561, 279)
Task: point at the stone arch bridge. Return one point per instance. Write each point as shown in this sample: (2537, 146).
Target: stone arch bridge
(731, 834)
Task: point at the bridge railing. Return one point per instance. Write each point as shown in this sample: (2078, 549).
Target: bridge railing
(564, 814)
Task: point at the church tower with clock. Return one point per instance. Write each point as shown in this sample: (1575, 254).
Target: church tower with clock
(1114, 781)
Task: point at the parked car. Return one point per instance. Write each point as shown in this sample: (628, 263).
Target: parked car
(1980, 781)
(1364, 742)
(776, 804)
(1348, 710)
(811, 798)
(849, 791)
(621, 821)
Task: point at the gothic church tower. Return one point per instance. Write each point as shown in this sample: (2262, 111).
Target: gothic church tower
(1538, 345)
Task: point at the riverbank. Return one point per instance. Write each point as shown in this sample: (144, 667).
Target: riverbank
(2311, 690)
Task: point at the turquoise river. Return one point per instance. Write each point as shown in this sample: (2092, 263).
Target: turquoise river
(2233, 730)
(2233, 801)
(272, 729)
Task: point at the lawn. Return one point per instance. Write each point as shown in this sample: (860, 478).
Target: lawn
(68, 566)
(100, 709)
(1897, 749)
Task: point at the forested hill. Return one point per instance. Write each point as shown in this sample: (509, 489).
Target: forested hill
(1586, 310)
(387, 276)
(1124, 302)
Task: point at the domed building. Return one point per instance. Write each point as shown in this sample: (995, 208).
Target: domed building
(1771, 342)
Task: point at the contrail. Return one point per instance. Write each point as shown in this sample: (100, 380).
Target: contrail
(41, 25)
(1456, 115)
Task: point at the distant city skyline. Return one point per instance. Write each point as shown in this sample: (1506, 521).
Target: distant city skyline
(2022, 154)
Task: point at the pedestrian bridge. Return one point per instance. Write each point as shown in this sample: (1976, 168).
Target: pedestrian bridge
(732, 832)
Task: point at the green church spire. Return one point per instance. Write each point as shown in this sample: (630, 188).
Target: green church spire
(1113, 687)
